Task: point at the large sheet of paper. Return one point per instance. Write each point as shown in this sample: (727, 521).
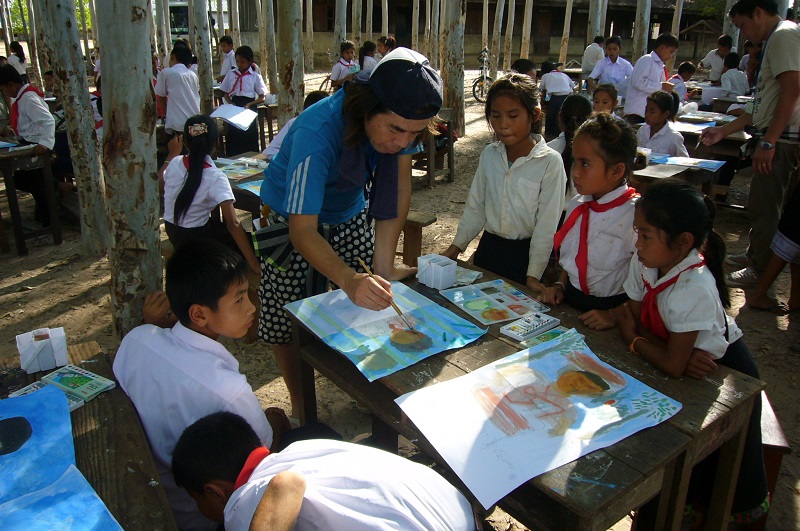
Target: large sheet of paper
(688, 162)
(380, 343)
(237, 116)
(531, 412)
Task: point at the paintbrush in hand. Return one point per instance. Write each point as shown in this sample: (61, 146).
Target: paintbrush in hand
(369, 272)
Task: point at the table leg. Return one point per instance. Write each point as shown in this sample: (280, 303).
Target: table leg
(450, 152)
(4, 247)
(431, 160)
(261, 141)
(665, 511)
(13, 206)
(412, 244)
(50, 197)
(305, 375)
(385, 436)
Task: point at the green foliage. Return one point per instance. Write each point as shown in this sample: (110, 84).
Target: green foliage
(19, 8)
(714, 9)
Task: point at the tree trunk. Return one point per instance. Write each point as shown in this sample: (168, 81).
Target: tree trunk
(525, 45)
(340, 25)
(262, 38)
(271, 59)
(220, 23)
(167, 31)
(356, 22)
(453, 65)
(494, 56)
(415, 25)
(93, 15)
(433, 54)
(44, 48)
(236, 34)
(163, 49)
(727, 24)
(485, 25)
(385, 18)
(290, 61)
(426, 31)
(370, 11)
(562, 54)
(676, 28)
(594, 21)
(641, 28)
(129, 160)
(202, 49)
(85, 37)
(32, 48)
(509, 35)
(603, 13)
(308, 38)
(442, 23)
(24, 24)
(8, 34)
(153, 37)
(214, 36)
(60, 24)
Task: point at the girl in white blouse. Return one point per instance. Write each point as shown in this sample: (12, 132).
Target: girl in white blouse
(657, 133)
(17, 59)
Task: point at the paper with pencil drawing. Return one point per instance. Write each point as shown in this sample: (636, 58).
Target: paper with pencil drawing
(380, 343)
(531, 412)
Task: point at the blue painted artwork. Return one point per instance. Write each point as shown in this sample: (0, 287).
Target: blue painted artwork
(68, 504)
(33, 462)
(380, 343)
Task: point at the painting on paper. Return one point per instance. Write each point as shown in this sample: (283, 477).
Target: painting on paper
(493, 302)
(381, 343)
(531, 412)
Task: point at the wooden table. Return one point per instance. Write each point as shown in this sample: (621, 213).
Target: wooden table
(653, 465)
(112, 452)
(25, 159)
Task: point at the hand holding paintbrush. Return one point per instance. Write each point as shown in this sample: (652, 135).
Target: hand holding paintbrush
(369, 272)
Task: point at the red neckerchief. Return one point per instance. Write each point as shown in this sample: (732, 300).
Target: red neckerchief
(239, 80)
(186, 163)
(14, 113)
(651, 317)
(582, 258)
(666, 73)
(253, 460)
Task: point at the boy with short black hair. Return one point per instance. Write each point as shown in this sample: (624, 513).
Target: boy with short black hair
(49, 84)
(181, 89)
(733, 81)
(334, 485)
(228, 57)
(177, 375)
(714, 59)
(649, 75)
(525, 66)
(685, 72)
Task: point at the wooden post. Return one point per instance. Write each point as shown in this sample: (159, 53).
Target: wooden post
(415, 25)
(676, 29)
(339, 25)
(308, 38)
(236, 34)
(69, 70)
(356, 24)
(370, 12)
(129, 160)
(433, 56)
(85, 36)
(485, 25)
(164, 43)
(641, 29)
(426, 32)
(603, 13)
(271, 59)
(727, 24)
(525, 45)
(453, 64)
(202, 49)
(8, 34)
(385, 18)
(494, 56)
(509, 35)
(290, 61)
(562, 53)
(594, 21)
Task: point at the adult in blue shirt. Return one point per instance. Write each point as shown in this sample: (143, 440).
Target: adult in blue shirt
(345, 161)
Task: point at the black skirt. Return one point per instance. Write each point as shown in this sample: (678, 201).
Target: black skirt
(238, 141)
(504, 257)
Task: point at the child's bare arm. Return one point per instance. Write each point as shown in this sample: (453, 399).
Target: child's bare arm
(239, 236)
(280, 505)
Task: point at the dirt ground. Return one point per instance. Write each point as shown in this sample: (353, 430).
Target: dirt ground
(60, 286)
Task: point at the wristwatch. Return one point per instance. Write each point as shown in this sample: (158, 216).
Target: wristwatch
(766, 146)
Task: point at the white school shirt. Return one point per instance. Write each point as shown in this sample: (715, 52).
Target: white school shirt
(176, 376)
(646, 78)
(228, 63)
(275, 146)
(715, 62)
(252, 85)
(556, 83)
(591, 56)
(611, 244)
(679, 88)
(369, 63)
(214, 189)
(340, 70)
(744, 62)
(667, 140)
(523, 201)
(97, 66)
(615, 73)
(692, 303)
(19, 66)
(559, 144)
(355, 488)
(35, 124)
(182, 90)
(734, 83)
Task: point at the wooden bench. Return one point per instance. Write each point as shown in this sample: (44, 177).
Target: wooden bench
(775, 446)
(412, 235)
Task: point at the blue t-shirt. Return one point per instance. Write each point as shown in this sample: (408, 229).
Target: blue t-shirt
(303, 177)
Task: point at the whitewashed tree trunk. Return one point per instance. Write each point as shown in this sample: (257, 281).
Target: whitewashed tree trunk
(290, 61)
(236, 33)
(385, 18)
(339, 24)
(85, 35)
(562, 54)
(453, 65)
(69, 70)
(641, 28)
(129, 160)
(272, 61)
(167, 31)
(369, 30)
(415, 24)
(676, 28)
(509, 35)
(727, 24)
(95, 31)
(262, 38)
(356, 22)
(164, 43)
(308, 38)
(44, 48)
(154, 38)
(426, 32)
(202, 49)
(485, 25)
(525, 45)
(8, 33)
(496, 31)
(433, 53)
(220, 22)
(214, 36)
(603, 13)
(27, 29)
(442, 24)
(594, 21)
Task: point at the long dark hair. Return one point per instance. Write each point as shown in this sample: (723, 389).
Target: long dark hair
(574, 111)
(200, 145)
(16, 47)
(366, 48)
(675, 206)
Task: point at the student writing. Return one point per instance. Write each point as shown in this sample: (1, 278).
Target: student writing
(243, 87)
(657, 133)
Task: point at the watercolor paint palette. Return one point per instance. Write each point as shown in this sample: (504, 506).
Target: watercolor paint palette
(493, 302)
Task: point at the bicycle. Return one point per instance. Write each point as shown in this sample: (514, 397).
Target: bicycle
(481, 85)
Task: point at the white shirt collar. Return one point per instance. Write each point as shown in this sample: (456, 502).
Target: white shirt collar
(651, 273)
(204, 343)
(539, 149)
(21, 90)
(610, 196)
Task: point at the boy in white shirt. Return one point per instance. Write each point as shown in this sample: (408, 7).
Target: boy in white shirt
(714, 59)
(228, 57)
(554, 86)
(649, 75)
(181, 89)
(685, 72)
(311, 485)
(733, 81)
(593, 53)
